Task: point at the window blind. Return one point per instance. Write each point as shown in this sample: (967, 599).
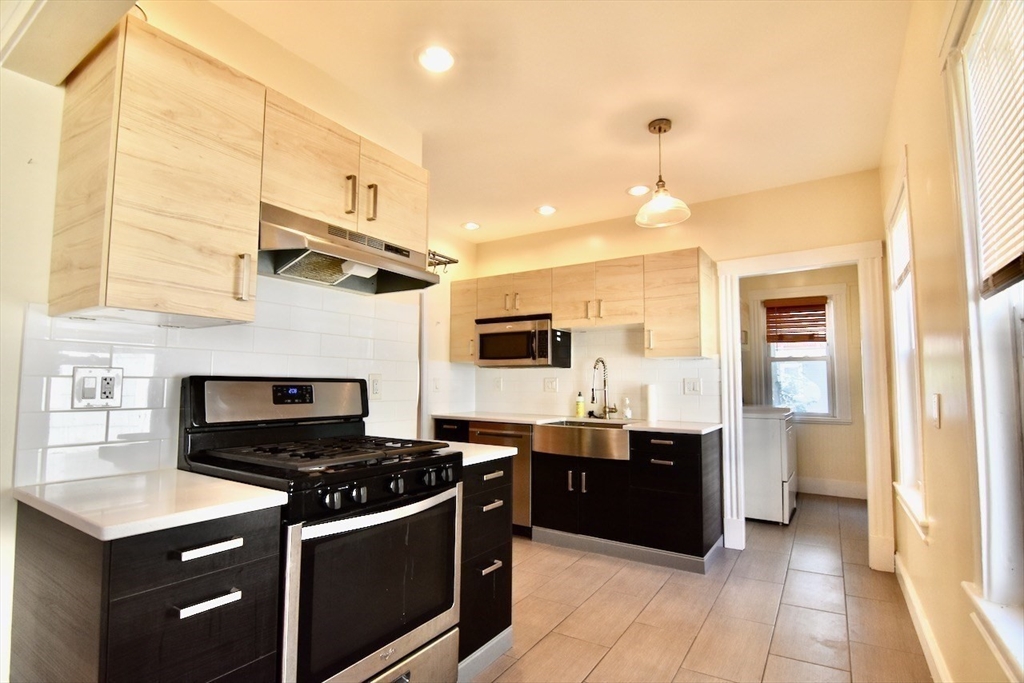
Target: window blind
(994, 61)
(795, 320)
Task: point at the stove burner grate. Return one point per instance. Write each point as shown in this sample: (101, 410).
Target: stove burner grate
(334, 453)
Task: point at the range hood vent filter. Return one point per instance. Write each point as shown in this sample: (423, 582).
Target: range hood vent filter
(317, 267)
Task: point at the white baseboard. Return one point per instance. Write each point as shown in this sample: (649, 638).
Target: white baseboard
(833, 487)
(932, 654)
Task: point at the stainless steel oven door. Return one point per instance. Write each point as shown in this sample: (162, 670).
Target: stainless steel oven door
(363, 592)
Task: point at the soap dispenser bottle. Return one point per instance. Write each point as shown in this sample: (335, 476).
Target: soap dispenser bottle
(580, 405)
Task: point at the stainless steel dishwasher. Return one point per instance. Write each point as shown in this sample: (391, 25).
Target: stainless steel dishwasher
(517, 436)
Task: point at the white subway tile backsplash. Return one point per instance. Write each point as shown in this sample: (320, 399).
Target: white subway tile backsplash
(160, 362)
(318, 366)
(138, 392)
(42, 430)
(37, 323)
(346, 347)
(107, 331)
(385, 349)
(226, 338)
(361, 326)
(32, 394)
(327, 322)
(139, 425)
(99, 460)
(227, 363)
(302, 294)
(59, 393)
(271, 314)
(286, 342)
(48, 358)
(350, 304)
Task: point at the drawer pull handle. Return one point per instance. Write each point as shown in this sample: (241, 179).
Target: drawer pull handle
(372, 213)
(496, 474)
(583, 482)
(570, 481)
(185, 612)
(492, 506)
(211, 549)
(351, 197)
(663, 442)
(493, 568)
(243, 290)
(449, 426)
(668, 463)
(500, 434)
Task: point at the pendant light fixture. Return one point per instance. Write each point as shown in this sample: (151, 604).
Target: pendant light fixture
(663, 209)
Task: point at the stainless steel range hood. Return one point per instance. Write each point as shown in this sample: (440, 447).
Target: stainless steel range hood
(296, 247)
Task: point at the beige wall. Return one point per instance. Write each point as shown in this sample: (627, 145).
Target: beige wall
(821, 213)
(919, 121)
(29, 140)
(832, 454)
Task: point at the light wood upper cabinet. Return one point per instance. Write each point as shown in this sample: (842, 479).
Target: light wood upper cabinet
(680, 304)
(393, 198)
(598, 294)
(315, 167)
(526, 293)
(310, 163)
(462, 342)
(157, 213)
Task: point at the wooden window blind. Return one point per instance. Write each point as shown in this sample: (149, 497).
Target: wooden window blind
(994, 61)
(795, 320)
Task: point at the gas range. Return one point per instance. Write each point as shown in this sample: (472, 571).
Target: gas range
(306, 437)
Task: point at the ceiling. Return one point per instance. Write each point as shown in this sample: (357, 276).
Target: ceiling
(548, 101)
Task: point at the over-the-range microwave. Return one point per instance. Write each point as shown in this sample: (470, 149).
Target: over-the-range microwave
(521, 341)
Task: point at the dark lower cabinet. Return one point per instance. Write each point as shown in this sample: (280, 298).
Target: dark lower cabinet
(193, 603)
(485, 600)
(581, 495)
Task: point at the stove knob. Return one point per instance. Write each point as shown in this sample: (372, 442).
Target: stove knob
(358, 494)
(397, 485)
(448, 474)
(332, 500)
(430, 477)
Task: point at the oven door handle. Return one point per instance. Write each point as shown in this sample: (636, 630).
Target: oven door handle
(342, 526)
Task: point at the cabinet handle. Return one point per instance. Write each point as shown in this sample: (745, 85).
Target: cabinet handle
(492, 506)
(517, 301)
(506, 302)
(650, 339)
(600, 308)
(352, 187)
(470, 347)
(494, 475)
(588, 310)
(514, 435)
(212, 549)
(662, 442)
(583, 482)
(372, 215)
(667, 463)
(570, 480)
(185, 612)
(243, 294)
(449, 426)
(493, 568)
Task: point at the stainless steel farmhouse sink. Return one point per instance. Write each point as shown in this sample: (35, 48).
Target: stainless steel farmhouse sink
(589, 439)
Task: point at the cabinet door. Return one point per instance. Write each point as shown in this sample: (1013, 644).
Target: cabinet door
(310, 163)
(666, 521)
(619, 291)
(672, 325)
(531, 292)
(462, 341)
(187, 175)
(554, 499)
(393, 193)
(572, 295)
(604, 499)
(494, 296)
(485, 609)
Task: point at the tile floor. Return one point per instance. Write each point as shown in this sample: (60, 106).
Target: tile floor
(799, 604)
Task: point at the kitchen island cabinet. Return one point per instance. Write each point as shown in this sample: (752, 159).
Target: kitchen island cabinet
(158, 186)
(98, 598)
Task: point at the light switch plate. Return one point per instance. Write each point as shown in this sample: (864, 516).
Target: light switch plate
(374, 388)
(551, 384)
(691, 385)
(96, 387)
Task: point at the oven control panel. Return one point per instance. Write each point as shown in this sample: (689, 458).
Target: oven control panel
(292, 393)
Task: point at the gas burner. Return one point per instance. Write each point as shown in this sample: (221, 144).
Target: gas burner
(334, 453)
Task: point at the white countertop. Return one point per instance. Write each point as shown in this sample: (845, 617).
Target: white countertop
(476, 453)
(668, 426)
(109, 508)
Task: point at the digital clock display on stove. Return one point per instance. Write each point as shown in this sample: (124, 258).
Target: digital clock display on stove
(292, 393)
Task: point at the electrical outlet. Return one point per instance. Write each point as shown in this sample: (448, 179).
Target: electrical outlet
(551, 384)
(96, 387)
(499, 384)
(691, 385)
(374, 387)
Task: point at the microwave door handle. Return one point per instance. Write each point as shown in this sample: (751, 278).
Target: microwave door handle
(532, 350)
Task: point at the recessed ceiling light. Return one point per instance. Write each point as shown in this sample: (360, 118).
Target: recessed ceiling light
(471, 226)
(437, 59)
(545, 210)
(638, 190)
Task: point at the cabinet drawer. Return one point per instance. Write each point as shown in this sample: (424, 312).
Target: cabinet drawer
(149, 640)
(140, 563)
(665, 462)
(485, 607)
(451, 430)
(486, 476)
(666, 521)
(486, 520)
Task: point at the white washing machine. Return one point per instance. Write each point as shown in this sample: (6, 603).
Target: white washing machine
(769, 463)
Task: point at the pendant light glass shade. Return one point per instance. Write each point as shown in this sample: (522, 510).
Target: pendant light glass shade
(663, 209)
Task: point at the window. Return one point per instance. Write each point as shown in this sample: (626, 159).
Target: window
(800, 368)
(985, 76)
(800, 351)
(906, 374)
